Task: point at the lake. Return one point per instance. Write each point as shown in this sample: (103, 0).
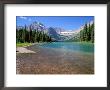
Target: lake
(57, 58)
(70, 46)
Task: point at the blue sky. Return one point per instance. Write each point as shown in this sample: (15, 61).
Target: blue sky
(65, 22)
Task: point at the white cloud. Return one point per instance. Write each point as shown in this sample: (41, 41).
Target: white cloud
(22, 17)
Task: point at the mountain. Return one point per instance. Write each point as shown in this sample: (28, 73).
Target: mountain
(37, 26)
(57, 33)
(77, 35)
(59, 30)
(34, 26)
(54, 35)
(53, 32)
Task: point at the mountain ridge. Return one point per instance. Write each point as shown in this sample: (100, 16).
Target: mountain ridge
(57, 33)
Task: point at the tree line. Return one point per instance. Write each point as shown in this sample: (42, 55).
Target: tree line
(31, 36)
(86, 34)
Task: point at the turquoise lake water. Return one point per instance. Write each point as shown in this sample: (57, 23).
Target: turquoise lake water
(70, 46)
(57, 58)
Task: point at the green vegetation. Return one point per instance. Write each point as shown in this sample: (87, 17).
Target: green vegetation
(23, 44)
(31, 36)
(86, 34)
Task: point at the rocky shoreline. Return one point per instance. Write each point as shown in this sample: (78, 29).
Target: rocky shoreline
(47, 61)
(23, 50)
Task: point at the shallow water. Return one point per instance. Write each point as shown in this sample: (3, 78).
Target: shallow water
(57, 58)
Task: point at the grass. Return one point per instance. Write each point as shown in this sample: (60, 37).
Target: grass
(23, 44)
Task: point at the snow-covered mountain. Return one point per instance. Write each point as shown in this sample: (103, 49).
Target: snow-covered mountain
(56, 33)
(53, 33)
(34, 26)
(59, 30)
(37, 26)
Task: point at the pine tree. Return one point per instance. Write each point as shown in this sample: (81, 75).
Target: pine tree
(92, 33)
(25, 33)
(30, 34)
(17, 35)
(89, 32)
(86, 34)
